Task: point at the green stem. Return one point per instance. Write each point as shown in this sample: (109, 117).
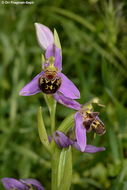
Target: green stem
(51, 103)
(52, 118)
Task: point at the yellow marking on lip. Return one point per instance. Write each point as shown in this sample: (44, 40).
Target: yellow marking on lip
(51, 87)
(46, 81)
(58, 82)
(46, 87)
(41, 81)
(52, 81)
(94, 125)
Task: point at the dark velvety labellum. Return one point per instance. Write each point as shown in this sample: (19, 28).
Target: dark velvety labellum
(87, 125)
(93, 123)
(98, 127)
(49, 83)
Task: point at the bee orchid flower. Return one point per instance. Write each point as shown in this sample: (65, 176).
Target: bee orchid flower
(22, 184)
(85, 121)
(51, 80)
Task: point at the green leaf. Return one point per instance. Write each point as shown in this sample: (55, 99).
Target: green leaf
(61, 165)
(42, 131)
(55, 163)
(67, 123)
(65, 169)
(56, 39)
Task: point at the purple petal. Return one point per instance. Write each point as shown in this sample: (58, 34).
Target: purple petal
(70, 103)
(80, 132)
(89, 148)
(93, 149)
(33, 182)
(75, 145)
(32, 87)
(11, 183)
(52, 50)
(68, 88)
(62, 140)
(44, 36)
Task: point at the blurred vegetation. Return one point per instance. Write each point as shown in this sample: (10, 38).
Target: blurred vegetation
(93, 35)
